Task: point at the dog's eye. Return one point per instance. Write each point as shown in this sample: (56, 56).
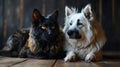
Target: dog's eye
(53, 27)
(43, 27)
(70, 23)
(79, 23)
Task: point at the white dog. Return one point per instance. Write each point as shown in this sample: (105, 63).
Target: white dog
(84, 35)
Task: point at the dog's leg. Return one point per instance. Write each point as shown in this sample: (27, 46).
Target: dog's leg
(90, 57)
(71, 56)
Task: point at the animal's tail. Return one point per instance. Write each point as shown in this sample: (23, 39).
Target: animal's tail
(8, 53)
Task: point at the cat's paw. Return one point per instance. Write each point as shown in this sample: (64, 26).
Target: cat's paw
(22, 53)
(70, 57)
(90, 57)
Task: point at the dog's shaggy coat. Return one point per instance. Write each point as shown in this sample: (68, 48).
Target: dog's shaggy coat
(84, 35)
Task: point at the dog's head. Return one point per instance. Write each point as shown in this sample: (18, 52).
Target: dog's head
(78, 24)
(45, 28)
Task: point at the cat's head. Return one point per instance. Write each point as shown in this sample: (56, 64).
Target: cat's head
(45, 28)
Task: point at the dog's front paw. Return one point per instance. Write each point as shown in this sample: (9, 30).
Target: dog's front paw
(71, 56)
(90, 57)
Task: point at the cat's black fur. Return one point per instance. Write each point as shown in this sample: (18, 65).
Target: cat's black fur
(15, 43)
(45, 38)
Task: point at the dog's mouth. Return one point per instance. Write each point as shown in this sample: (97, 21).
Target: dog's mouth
(75, 37)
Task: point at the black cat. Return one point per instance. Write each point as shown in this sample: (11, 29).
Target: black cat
(45, 38)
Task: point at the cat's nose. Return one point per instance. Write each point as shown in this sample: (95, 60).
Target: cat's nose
(49, 32)
(50, 35)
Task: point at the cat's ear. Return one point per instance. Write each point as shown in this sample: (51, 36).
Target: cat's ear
(36, 16)
(54, 15)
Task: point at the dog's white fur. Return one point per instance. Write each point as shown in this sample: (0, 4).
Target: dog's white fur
(88, 47)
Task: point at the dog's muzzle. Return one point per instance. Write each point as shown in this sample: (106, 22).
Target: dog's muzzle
(74, 34)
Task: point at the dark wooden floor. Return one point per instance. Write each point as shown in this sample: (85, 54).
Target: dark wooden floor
(107, 61)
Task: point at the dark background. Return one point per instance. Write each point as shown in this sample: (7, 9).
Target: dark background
(16, 14)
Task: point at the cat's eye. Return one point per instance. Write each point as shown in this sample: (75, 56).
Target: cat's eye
(53, 27)
(44, 27)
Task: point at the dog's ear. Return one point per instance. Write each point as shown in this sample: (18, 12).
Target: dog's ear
(88, 12)
(68, 11)
(37, 16)
(54, 15)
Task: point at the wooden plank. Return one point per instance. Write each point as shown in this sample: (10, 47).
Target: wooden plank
(100, 11)
(116, 26)
(1, 22)
(61, 63)
(21, 62)
(43, 7)
(106, 63)
(29, 6)
(6, 61)
(50, 6)
(21, 13)
(61, 6)
(11, 17)
(112, 63)
(36, 63)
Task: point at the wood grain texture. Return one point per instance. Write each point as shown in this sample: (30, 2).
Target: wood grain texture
(61, 63)
(108, 63)
(6, 61)
(36, 63)
(28, 62)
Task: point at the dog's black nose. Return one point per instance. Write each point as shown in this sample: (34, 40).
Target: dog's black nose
(70, 32)
(74, 34)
